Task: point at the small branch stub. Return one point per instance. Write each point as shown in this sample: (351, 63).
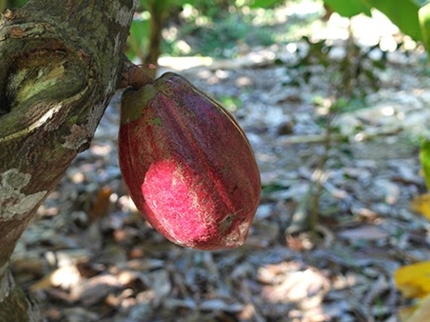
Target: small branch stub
(135, 76)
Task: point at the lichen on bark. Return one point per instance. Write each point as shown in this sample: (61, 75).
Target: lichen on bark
(13, 203)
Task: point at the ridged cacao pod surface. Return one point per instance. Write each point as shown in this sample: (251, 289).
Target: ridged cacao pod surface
(187, 164)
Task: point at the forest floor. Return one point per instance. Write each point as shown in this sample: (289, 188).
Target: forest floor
(89, 255)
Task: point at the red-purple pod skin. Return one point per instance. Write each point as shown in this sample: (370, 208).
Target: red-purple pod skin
(188, 165)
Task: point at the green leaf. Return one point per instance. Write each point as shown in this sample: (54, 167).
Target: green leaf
(138, 40)
(348, 8)
(404, 14)
(425, 161)
(265, 3)
(182, 2)
(424, 18)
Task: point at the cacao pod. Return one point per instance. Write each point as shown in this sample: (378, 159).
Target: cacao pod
(187, 164)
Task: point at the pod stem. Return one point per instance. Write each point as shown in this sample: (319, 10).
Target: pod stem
(134, 76)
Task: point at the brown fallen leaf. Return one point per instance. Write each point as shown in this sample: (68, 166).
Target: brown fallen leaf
(420, 314)
(95, 289)
(63, 277)
(101, 204)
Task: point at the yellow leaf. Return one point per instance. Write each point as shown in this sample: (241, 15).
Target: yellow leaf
(421, 204)
(413, 280)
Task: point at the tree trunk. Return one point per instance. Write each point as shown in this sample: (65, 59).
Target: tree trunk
(158, 12)
(60, 64)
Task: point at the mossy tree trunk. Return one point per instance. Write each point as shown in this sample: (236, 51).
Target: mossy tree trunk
(60, 63)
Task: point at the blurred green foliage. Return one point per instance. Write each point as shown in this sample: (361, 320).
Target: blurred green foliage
(352, 76)
(348, 8)
(11, 4)
(424, 19)
(216, 25)
(408, 15)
